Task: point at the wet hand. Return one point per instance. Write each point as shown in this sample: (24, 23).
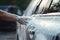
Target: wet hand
(22, 21)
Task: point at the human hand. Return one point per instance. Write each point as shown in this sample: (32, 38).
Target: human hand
(22, 20)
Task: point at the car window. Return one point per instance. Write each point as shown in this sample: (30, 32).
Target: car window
(40, 7)
(19, 12)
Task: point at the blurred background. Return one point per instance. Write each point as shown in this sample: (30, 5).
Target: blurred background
(21, 3)
(8, 29)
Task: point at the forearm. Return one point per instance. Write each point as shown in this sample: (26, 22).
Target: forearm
(7, 16)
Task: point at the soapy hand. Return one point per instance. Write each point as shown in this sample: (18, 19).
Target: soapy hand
(23, 20)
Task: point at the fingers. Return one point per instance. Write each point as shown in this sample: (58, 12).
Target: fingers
(22, 21)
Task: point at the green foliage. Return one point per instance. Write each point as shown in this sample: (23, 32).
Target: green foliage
(56, 7)
(21, 3)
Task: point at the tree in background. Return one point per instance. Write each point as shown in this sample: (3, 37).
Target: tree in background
(21, 3)
(56, 7)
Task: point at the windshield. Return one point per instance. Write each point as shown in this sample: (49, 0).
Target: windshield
(42, 7)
